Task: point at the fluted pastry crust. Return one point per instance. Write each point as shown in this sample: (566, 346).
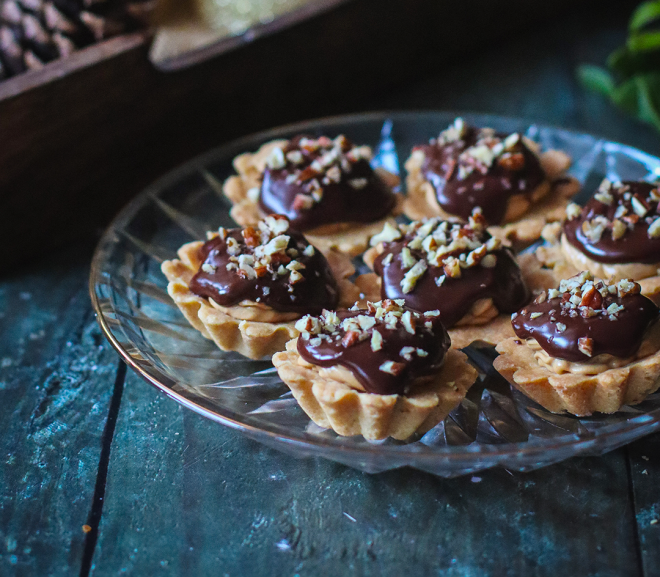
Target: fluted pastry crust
(333, 404)
(562, 261)
(483, 323)
(580, 395)
(525, 216)
(228, 327)
(349, 238)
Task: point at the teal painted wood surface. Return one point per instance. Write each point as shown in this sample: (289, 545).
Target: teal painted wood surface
(55, 385)
(166, 492)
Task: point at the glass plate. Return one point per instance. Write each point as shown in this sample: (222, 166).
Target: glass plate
(493, 426)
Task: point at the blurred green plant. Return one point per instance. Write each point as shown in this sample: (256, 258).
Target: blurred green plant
(632, 77)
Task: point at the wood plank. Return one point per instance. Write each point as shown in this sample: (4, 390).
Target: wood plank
(644, 456)
(142, 530)
(56, 375)
(192, 497)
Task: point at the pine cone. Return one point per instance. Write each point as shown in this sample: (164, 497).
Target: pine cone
(33, 32)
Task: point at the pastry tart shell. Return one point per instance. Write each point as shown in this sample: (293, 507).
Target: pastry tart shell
(561, 261)
(483, 323)
(334, 405)
(349, 238)
(251, 338)
(580, 395)
(529, 212)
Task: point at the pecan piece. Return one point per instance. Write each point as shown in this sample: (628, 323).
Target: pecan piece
(592, 298)
(251, 236)
(513, 161)
(302, 202)
(586, 346)
(350, 338)
(541, 298)
(308, 174)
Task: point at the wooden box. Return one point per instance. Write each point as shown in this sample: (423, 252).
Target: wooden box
(83, 135)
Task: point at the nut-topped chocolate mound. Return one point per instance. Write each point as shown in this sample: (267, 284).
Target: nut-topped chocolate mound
(476, 167)
(620, 224)
(271, 264)
(315, 182)
(387, 347)
(438, 264)
(587, 317)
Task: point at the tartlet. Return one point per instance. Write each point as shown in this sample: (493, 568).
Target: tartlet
(616, 235)
(517, 189)
(383, 371)
(455, 267)
(587, 347)
(245, 288)
(325, 187)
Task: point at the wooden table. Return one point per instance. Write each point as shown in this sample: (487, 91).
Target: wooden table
(102, 475)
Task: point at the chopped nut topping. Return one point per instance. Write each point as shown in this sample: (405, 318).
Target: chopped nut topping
(315, 163)
(573, 211)
(654, 229)
(439, 243)
(629, 211)
(454, 133)
(388, 234)
(413, 275)
(485, 152)
(618, 229)
(586, 345)
(263, 251)
(276, 159)
(376, 341)
(387, 313)
(208, 268)
(628, 287)
(588, 297)
(392, 367)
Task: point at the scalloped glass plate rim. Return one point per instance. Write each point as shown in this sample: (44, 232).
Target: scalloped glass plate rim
(334, 447)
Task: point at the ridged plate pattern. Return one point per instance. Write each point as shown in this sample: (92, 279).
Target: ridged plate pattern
(493, 426)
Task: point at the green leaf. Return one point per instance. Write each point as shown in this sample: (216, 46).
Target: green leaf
(644, 42)
(596, 79)
(648, 90)
(625, 96)
(644, 15)
(640, 97)
(625, 64)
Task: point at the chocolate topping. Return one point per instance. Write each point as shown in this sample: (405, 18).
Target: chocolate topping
(470, 167)
(448, 266)
(587, 317)
(620, 224)
(387, 347)
(323, 181)
(266, 266)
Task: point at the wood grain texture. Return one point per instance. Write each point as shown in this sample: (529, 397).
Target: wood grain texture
(55, 383)
(644, 470)
(192, 497)
(87, 140)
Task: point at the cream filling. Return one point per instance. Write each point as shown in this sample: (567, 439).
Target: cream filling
(619, 271)
(599, 363)
(252, 311)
